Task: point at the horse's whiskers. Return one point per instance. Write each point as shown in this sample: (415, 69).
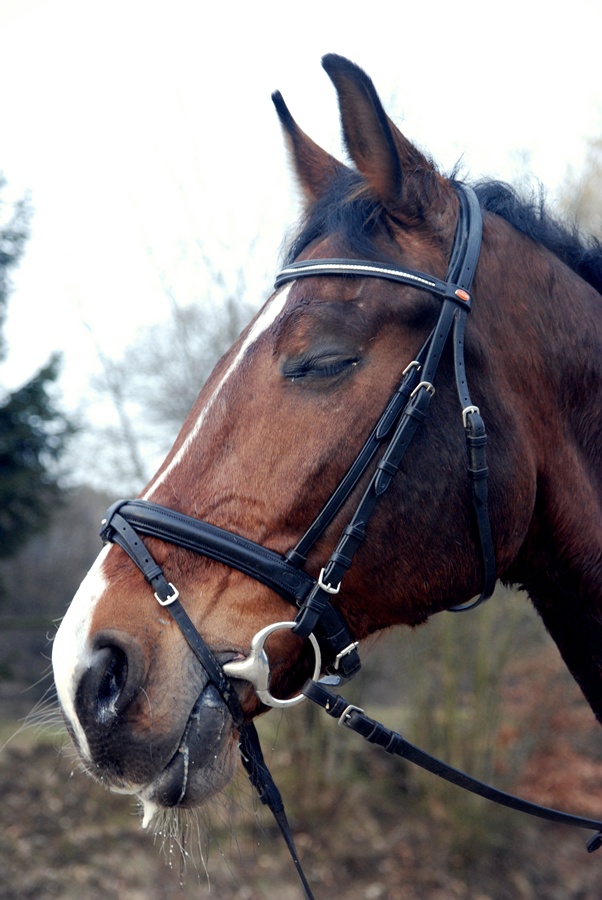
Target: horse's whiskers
(44, 717)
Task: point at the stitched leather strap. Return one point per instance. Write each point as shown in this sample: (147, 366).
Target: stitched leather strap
(411, 418)
(381, 431)
(264, 565)
(454, 292)
(217, 543)
(374, 732)
(261, 779)
(362, 268)
(117, 529)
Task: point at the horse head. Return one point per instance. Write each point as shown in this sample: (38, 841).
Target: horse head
(274, 430)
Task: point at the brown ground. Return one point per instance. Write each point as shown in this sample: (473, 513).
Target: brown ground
(388, 833)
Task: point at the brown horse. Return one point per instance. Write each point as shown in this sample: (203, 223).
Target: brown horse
(282, 419)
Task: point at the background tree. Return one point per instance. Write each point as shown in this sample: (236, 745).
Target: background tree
(40, 581)
(145, 395)
(33, 430)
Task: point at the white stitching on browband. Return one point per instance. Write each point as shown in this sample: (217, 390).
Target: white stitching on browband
(346, 267)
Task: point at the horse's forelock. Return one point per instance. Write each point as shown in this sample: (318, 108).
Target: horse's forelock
(347, 209)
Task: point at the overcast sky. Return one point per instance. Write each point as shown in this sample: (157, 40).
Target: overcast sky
(145, 134)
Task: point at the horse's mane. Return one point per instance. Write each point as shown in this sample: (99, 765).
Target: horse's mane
(530, 216)
(347, 209)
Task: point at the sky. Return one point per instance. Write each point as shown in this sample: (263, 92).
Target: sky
(144, 133)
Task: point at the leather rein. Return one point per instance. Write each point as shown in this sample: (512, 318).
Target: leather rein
(335, 650)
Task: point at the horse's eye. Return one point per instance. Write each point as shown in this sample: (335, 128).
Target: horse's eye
(322, 365)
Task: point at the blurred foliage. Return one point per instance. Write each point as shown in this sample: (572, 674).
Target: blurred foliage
(40, 581)
(33, 430)
(33, 435)
(150, 390)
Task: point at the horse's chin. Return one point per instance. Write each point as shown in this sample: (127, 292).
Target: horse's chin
(203, 764)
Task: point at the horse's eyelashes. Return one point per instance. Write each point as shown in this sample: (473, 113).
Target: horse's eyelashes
(322, 366)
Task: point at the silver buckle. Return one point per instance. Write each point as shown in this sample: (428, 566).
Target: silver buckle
(423, 384)
(343, 653)
(171, 598)
(469, 409)
(328, 587)
(413, 365)
(348, 710)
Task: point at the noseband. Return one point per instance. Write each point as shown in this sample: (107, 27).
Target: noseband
(335, 650)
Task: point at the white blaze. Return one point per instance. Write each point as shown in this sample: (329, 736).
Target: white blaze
(267, 317)
(71, 654)
(71, 651)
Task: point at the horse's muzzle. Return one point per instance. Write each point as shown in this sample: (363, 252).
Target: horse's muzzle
(202, 764)
(132, 746)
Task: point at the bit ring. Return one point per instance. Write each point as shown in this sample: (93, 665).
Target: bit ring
(256, 667)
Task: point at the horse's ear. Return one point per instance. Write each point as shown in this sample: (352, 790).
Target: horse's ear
(398, 173)
(314, 167)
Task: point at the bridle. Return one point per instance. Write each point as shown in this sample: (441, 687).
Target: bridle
(335, 650)
(394, 431)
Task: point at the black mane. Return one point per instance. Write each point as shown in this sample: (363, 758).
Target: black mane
(583, 254)
(348, 210)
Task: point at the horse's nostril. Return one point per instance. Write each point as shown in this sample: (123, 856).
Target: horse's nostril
(106, 687)
(112, 681)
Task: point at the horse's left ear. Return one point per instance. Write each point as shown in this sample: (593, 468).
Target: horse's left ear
(314, 167)
(403, 179)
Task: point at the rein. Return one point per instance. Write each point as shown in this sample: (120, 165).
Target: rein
(335, 650)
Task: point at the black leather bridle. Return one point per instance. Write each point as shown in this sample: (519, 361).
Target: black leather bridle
(126, 522)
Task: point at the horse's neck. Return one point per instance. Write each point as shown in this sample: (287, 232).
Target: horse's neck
(572, 404)
(548, 322)
(560, 563)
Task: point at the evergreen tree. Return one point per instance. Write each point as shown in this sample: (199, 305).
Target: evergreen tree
(33, 431)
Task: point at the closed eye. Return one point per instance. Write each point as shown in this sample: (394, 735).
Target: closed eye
(323, 365)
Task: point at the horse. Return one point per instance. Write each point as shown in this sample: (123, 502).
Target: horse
(277, 431)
